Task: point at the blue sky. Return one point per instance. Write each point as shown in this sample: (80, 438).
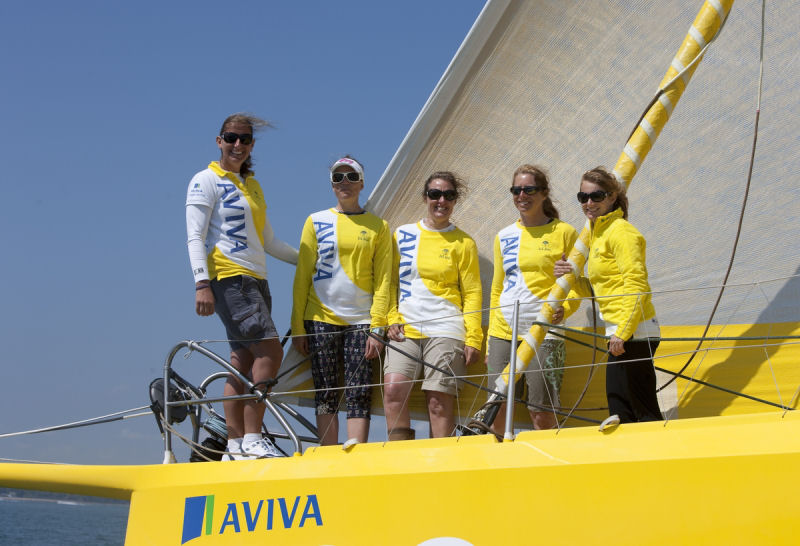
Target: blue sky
(108, 109)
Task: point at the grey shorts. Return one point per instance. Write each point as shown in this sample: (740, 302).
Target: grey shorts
(244, 305)
(443, 352)
(543, 376)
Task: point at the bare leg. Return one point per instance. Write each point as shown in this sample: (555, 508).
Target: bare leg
(440, 412)
(396, 391)
(328, 429)
(267, 359)
(242, 360)
(358, 428)
(499, 423)
(543, 420)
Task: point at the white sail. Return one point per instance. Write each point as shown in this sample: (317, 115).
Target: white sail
(562, 84)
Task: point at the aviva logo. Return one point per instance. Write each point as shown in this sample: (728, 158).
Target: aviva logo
(245, 516)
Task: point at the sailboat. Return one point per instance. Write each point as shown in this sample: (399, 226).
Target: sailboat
(563, 84)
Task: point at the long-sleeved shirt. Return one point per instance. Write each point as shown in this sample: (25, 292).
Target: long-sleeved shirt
(436, 284)
(227, 226)
(618, 274)
(344, 270)
(524, 258)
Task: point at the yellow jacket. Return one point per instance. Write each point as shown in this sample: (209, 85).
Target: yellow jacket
(616, 267)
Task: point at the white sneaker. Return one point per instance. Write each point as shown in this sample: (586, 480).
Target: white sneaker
(233, 451)
(261, 449)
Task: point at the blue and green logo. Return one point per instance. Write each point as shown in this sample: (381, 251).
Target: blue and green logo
(245, 516)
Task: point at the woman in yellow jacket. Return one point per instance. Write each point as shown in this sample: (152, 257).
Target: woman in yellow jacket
(524, 255)
(618, 274)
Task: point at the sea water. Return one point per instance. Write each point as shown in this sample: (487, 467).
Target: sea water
(57, 522)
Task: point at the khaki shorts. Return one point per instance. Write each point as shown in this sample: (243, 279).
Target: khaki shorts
(543, 376)
(443, 352)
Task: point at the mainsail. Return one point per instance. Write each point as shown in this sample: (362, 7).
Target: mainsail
(561, 84)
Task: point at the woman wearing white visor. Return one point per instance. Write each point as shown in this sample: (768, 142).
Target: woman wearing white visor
(341, 291)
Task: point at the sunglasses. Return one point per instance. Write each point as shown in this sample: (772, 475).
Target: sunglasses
(231, 138)
(450, 195)
(529, 190)
(338, 178)
(595, 196)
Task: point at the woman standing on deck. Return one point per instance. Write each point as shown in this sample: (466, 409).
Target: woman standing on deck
(341, 290)
(524, 255)
(228, 233)
(435, 311)
(618, 274)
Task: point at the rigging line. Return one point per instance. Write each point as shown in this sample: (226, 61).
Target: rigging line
(422, 380)
(794, 400)
(674, 290)
(382, 385)
(306, 358)
(111, 417)
(457, 397)
(457, 378)
(590, 375)
(26, 461)
(542, 370)
(679, 374)
(548, 385)
(745, 198)
(723, 389)
(699, 365)
(343, 395)
(194, 446)
(651, 292)
(712, 338)
(339, 335)
(766, 354)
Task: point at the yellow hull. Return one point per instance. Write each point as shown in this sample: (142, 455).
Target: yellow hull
(719, 480)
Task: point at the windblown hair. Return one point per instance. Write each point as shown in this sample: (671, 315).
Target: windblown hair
(256, 124)
(540, 177)
(447, 176)
(606, 180)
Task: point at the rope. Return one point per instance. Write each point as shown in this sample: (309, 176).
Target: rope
(464, 380)
(111, 417)
(744, 200)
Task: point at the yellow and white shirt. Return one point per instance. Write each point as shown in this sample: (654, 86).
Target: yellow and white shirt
(436, 284)
(616, 267)
(343, 273)
(227, 226)
(524, 258)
